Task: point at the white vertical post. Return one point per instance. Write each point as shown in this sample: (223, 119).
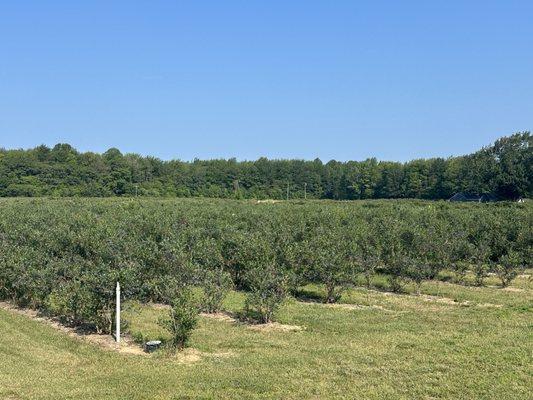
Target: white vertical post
(117, 315)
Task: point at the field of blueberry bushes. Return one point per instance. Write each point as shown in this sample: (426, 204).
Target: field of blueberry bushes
(62, 256)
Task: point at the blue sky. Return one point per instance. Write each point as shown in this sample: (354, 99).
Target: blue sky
(284, 79)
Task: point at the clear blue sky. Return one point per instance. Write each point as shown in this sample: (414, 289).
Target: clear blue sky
(284, 79)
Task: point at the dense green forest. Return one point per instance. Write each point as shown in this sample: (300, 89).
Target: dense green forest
(505, 169)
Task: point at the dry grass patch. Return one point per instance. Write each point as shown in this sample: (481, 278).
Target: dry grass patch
(219, 316)
(275, 327)
(453, 302)
(513, 289)
(443, 300)
(268, 201)
(358, 307)
(347, 306)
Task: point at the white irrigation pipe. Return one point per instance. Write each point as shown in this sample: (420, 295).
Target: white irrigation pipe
(117, 315)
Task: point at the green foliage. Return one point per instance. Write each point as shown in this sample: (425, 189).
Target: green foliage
(217, 283)
(508, 268)
(64, 256)
(182, 318)
(504, 169)
(366, 255)
(398, 273)
(326, 256)
(268, 290)
(265, 280)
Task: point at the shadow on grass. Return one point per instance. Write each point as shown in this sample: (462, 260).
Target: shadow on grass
(308, 296)
(78, 327)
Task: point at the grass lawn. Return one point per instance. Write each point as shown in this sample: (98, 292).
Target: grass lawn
(453, 342)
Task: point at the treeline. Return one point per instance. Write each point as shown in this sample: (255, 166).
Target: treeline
(63, 256)
(504, 169)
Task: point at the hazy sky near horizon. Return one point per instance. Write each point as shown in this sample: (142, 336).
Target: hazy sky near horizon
(283, 79)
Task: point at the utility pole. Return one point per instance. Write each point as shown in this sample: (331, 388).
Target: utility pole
(287, 190)
(117, 314)
(305, 190)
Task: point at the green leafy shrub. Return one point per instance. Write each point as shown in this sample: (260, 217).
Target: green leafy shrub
(326, 256)
(508, 268)
(367, 257)
(64, 256)
(217, 283)
(480, 263)
(397, 278)
(181, 319)
(268, 290)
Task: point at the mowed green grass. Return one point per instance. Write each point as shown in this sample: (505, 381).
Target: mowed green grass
(392, 347)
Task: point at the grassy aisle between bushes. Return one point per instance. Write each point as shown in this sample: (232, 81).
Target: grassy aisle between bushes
(393, 346)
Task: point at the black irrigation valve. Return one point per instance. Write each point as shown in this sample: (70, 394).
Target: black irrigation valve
(152, 346)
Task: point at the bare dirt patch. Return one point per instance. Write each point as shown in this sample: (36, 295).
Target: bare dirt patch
(106, 342)
(188, 356)
(220, 316)
(275, 327)
(126, 346)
